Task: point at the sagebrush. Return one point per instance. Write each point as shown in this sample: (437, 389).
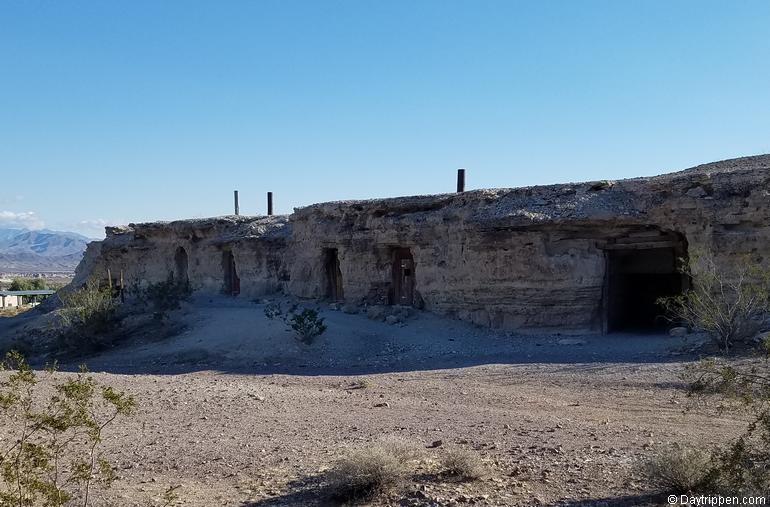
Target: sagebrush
(362, 474)
(463, 464)
(681, 470)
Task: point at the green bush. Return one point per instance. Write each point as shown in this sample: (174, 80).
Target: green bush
(52, 457)
(166, 296)
(87, 318)
(28, 284)
(307, 323)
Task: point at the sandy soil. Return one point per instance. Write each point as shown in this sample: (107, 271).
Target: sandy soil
(237, 413)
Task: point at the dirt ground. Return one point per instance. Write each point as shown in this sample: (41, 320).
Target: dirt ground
(237, 413)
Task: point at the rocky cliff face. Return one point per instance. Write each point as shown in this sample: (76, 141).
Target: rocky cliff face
(195, 250)
(571, 257)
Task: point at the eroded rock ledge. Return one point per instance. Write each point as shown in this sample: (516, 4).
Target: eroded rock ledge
(578, 256)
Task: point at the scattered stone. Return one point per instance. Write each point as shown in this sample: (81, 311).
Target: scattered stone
(377, 312)
(392, 319)
(697, 192)
(678, 332)
(571, 341)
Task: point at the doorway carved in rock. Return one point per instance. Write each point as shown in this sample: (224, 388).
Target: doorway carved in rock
(403, 277)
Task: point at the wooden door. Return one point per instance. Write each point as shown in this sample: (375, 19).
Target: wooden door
(403, 277)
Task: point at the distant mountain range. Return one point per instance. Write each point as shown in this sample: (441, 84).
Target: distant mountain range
(25, 251)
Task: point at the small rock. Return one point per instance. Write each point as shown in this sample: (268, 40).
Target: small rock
(376, 312)
(392, 319)
(383, 404)
(571, 341)
(436, 443)
(601, 185)
(350, 309)
(697, 192)
(678, 331)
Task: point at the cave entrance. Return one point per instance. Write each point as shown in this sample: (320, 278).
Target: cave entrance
(636, 278)
(333, 275)
(232, 284)
(403, 277)
(180, 265)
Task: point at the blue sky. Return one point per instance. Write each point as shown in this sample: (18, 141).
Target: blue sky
(113, 112)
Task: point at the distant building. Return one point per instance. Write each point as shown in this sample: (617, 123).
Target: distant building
(15, 298)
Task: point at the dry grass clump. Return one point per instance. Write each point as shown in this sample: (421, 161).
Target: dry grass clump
(365, 473)
(463, 464)
(680, 470)
(14, 311)
(404, 450)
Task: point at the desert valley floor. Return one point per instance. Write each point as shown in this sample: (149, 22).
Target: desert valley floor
(250, 417)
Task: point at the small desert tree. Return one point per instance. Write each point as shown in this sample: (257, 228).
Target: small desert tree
(744, 466)
(52, 457)
(728, 302)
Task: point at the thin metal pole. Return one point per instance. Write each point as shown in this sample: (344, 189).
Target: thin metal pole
(269, 203)
(461, 180)
(235, 198)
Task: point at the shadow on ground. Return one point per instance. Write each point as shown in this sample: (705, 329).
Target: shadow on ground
(233, 336)
(640, 500)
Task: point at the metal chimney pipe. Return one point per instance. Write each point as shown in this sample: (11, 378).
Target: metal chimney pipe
(235, 199)
(269, 204)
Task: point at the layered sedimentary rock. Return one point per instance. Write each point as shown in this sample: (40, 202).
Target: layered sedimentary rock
(201, 251)
(583, 256)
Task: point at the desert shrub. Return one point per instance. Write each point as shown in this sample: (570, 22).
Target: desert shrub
(729, 303)
(167, 295)
(404, 450)
(681, 470)
(22, 345)
(307, 324)
(463, 464)
(364, 473)
(170, 496)
(87, 317)
(744, 465)
(52, 454)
